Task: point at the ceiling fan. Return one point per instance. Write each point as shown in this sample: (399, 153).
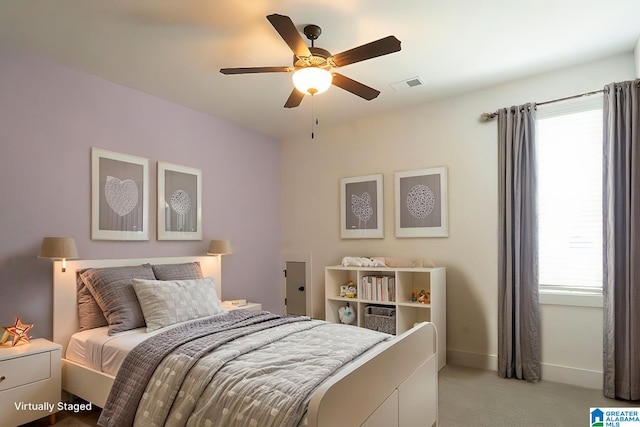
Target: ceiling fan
(311, 65)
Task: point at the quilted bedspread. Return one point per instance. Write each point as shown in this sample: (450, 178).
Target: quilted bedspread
(244, 368)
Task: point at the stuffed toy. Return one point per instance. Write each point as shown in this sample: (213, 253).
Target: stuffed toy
(361, 262)
(346, 314)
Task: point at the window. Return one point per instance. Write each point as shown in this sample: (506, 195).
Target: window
(570, 196)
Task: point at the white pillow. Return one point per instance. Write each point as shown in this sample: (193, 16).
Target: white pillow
(167, 302)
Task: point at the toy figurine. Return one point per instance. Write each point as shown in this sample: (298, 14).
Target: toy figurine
(424, 297)
(348, 290)
(414, 296)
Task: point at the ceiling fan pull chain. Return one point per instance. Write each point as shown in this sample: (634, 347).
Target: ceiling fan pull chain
(315, 122)
(314, 119)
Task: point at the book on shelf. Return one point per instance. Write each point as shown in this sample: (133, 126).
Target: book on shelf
(378, 288)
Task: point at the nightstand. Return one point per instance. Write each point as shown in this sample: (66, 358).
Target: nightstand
(30, 382)
(249, 306)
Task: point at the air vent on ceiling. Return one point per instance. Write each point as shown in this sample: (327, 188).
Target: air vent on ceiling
(406, 84)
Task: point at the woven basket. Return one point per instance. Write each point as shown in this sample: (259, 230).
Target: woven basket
(381, 319)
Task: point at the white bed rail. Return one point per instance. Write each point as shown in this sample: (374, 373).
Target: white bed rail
(395, 386)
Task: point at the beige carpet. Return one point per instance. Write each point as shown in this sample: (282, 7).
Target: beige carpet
(476, 398)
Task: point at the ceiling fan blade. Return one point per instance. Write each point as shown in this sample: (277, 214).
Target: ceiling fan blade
(294, 99)
(250, 70)
(356, 88)
(284, 26)
(374, 49)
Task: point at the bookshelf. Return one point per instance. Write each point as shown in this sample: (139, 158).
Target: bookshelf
(398, 295)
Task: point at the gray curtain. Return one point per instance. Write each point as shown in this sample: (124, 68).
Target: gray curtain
(621, 284)
(518, 309)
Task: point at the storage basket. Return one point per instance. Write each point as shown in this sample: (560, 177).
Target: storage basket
(382, 319)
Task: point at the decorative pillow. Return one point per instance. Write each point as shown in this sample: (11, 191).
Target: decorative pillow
(165, 302)
(89, 313)
(189, 270)
(113, 291)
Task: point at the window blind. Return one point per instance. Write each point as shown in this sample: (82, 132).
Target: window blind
(570, 194)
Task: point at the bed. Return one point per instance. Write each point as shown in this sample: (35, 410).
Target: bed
(395, 383)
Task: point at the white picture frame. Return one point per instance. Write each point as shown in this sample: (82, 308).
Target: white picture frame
(119, 196)
(421, 203)
(179, 202)
(361, 207)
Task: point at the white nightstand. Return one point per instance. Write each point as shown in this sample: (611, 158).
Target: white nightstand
(30, 378)
(249, 306)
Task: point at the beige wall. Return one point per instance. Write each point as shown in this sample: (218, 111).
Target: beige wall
(443, 133)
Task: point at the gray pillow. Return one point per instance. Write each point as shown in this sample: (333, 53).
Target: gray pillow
(189, 270)
(113, 291)
(89, 313)
(167, 302)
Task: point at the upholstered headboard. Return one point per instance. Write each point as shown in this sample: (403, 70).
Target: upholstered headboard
(65, 306)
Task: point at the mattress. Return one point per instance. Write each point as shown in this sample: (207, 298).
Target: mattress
(98, 350)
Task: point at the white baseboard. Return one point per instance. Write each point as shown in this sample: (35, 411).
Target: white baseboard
(570, 375)
(556, 373)
(472, 360)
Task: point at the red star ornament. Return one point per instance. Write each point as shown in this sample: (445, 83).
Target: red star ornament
(20, 331)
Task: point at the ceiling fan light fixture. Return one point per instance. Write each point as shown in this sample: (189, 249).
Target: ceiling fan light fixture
(312, 80)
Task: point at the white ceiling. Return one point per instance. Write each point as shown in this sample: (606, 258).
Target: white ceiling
(173, 49)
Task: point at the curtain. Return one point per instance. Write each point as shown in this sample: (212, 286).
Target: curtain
(518, 309)
(621, 216)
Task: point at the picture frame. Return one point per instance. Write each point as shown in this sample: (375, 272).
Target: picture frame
(361, 207)
(421, 203)
(179, 202)
(119, 196)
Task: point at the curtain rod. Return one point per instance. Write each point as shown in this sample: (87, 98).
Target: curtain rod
(488, 116)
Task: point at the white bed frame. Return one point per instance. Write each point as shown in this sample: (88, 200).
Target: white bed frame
(395, 385)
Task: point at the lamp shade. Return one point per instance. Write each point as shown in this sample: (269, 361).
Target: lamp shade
(312, 80)
(219, 247)
(58, 247)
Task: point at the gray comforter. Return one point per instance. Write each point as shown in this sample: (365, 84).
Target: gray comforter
(244, 368)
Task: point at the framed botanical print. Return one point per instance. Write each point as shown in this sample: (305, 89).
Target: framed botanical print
(361, 207)
(179, 202)
(421, 203)
(119, 196)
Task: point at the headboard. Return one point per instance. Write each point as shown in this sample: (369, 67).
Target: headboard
(65, 305)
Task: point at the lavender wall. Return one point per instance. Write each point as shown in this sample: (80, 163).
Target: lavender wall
(51, 116)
